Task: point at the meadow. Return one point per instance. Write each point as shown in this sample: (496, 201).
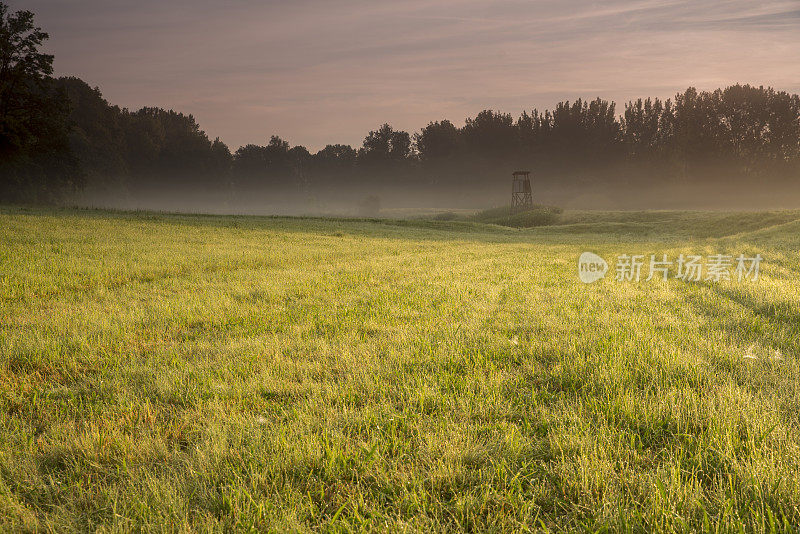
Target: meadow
(188, 373)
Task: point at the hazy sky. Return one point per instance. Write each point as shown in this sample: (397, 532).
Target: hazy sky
(327, 71)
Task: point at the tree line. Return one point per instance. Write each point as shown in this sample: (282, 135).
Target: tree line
(58, 135)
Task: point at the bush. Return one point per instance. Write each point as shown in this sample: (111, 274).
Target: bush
(538, 216)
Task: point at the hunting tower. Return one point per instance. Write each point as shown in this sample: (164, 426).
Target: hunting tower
(521, 198)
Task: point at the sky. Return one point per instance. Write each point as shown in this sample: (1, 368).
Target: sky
(319, 72)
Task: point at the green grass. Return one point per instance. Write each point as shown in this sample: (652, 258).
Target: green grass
(198, 373)
(505, 216)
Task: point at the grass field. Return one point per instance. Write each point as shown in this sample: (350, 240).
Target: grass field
(195, 373)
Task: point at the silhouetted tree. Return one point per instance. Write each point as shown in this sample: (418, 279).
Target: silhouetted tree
(249, 166)
(440, 146)
(36, 163)
(438, 141)
(585, 136)
(490, 135)
(97, 133)
(386, 145)
(275, 165)
(300, 163)
(334, 165)
(335, 157)
(279, 163)
(221, 160)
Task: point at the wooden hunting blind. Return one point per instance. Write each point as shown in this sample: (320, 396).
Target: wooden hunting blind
(521, 197)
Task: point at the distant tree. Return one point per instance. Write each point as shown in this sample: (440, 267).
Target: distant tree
(440, 149)
(279, 169)
(603, 130)
(274, 165)
(583, 137)
(530, 130)
(334, 165)
(438, 141)
(386, 144)
(279, 145)
(249, 166)
(758, 126)
(491, 135)
(97, 133)
(168, 148)
(782, 135)
(36, 163)
(696, 138)
(144, 139)
(641, 124)
(221, 161)
(300, 164)
(335, 157)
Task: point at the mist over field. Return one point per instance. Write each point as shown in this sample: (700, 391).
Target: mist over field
(733, 148)
(432, 200)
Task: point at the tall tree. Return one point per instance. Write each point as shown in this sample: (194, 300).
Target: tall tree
(36, 163)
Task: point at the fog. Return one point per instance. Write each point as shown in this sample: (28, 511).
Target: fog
(401, 202)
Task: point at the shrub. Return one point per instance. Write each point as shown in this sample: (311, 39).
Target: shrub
(538, 216)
